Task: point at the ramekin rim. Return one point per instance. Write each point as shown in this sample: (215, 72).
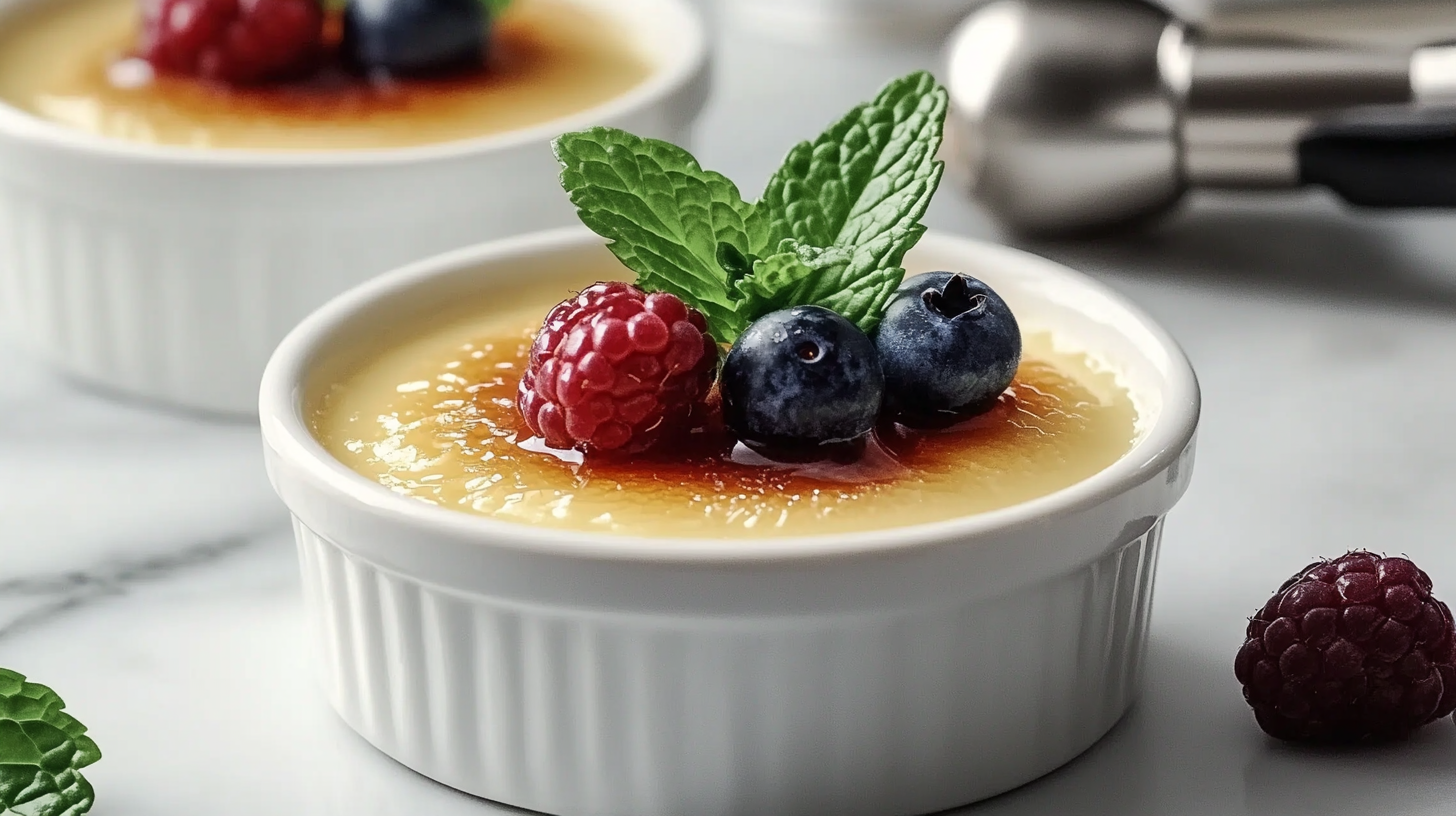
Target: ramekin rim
(667, 80)
(287, 436)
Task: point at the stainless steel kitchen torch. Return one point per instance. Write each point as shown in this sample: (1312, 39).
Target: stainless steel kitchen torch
(1070, 116)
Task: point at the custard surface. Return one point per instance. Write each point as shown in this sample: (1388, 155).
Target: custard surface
(66, 61)
(434, 418)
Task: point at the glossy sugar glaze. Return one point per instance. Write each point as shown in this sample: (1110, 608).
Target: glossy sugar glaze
(435, 419)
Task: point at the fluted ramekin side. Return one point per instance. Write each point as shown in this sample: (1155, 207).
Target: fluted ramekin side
(576, 712)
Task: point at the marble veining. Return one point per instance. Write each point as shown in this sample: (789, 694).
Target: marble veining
(40, 599)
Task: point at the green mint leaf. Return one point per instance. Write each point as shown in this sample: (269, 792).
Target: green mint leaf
(853, 282)
(665, 218)
(872, 171)
(793, 276)
(733, 262)
(864, 184)
(42, 749)
(870, 278)
(832, 229)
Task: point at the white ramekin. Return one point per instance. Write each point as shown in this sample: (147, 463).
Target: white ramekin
(849, 21)
(893, 672)
(171, 274)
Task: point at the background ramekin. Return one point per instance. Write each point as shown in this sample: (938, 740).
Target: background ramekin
(171, 273)
(828, 21)
(892, 672)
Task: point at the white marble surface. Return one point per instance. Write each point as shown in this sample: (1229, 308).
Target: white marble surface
(146, 571)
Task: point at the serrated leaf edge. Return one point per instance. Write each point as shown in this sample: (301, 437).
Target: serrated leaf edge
(55, 772)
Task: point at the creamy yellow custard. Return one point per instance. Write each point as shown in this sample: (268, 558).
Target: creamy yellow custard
(66, 61)
(434, 418)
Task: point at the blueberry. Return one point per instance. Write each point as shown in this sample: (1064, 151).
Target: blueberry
(801, 378)
(949, 345)
(415, 37)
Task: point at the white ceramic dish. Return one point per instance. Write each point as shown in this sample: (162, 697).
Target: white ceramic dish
(171, 274)
(849, 21)
(894, 672)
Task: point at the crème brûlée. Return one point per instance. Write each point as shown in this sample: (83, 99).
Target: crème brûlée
(435, 418)
(68, 61)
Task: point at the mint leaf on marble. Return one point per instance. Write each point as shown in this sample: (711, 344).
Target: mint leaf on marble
(42, 750)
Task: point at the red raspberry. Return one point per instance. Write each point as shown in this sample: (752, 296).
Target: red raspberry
(1350, 649)
(233, 41)
(614, 368)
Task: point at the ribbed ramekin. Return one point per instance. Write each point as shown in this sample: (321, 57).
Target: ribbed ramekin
(894, 672)
(171, 274)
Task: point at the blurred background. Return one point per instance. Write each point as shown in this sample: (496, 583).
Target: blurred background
(146, 568)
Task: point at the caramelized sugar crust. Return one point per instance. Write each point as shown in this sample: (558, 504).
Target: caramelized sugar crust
(66, 61)
(436, 420)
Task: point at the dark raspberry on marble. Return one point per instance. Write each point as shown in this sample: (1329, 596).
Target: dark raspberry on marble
(1348, 650)
(236, 42)
(616, 369)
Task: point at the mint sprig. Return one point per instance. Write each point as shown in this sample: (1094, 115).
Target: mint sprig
(863, 185)
(42, 750)
(831, 229)
(795, 274)
(667, 217)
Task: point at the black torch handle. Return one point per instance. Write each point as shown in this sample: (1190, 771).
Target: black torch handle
(1385, 157)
